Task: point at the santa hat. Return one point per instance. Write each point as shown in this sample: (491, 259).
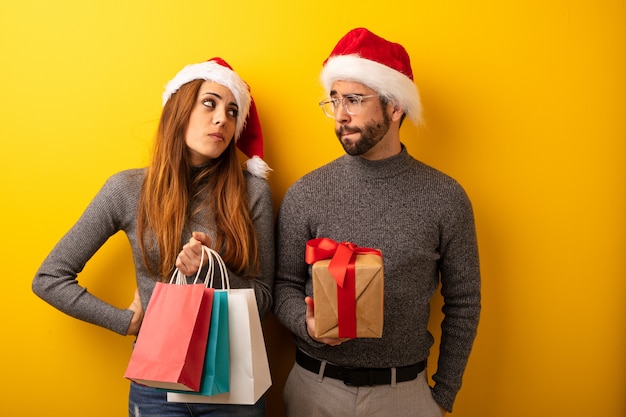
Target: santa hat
(384, 66)
(248, 134)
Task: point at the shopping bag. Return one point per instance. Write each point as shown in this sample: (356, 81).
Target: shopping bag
(216, 373)
(216, 378)
(249, 368)
(171, 346)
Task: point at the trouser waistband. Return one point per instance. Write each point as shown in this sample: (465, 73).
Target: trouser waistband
(358, 377)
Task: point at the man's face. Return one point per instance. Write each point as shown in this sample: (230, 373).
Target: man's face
(362, 130)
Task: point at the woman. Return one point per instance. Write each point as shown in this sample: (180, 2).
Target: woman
(194, 184)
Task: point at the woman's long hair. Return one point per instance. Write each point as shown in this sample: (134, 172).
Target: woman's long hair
(165, 202)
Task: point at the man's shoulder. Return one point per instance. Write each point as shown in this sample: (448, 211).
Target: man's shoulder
(437, 184)
(310, 184)
(329, 168)
(431, 173)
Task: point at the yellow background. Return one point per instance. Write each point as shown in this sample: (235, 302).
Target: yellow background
(524, 105)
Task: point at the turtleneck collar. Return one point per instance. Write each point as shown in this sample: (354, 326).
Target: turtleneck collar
(381, 168)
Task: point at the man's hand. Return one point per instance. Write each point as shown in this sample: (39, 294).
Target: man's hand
(310, 325)
(188, 260)
(137, 308)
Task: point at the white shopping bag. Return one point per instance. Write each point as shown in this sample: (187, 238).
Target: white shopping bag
(249, 367)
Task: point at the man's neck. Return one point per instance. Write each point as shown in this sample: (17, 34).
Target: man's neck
(389, 146)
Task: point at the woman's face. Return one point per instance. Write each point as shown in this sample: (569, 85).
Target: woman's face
(211, 123)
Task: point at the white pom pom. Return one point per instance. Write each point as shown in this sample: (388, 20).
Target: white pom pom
(258, 167)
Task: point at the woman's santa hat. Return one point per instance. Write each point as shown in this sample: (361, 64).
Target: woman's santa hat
(248, 134)
(384, 66)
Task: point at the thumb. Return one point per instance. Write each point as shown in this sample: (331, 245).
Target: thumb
(136, 305)
(310, 306)
(202, 237)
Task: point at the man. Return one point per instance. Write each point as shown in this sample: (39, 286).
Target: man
(378, 196)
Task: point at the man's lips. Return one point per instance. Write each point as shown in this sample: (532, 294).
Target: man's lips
(347, 132)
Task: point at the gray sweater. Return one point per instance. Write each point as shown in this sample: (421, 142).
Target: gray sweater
(422, 221)
(114, 209)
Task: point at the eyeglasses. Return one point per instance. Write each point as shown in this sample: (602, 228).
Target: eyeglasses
(351, 103)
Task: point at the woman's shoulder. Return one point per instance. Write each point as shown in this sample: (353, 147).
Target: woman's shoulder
(256, 185)
(259, 192)
(129, 177)
(127, 182)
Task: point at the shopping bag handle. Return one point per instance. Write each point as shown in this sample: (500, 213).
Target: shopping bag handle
(179, 278)
(215, 258)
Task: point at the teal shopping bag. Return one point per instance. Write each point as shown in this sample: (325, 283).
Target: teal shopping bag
(216, 376)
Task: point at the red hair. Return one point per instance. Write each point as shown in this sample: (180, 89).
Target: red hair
(169, 188)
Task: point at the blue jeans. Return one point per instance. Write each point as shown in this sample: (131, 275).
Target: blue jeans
(151, 402)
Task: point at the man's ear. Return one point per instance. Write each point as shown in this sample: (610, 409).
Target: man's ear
(396, 113)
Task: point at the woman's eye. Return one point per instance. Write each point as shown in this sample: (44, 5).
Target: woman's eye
(209, 103)
(233, 113)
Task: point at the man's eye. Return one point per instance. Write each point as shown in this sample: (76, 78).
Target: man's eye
(352, 99)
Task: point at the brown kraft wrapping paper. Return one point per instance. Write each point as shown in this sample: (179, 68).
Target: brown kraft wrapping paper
(369, 298)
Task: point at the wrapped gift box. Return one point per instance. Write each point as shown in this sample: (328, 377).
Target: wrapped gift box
(366, 305)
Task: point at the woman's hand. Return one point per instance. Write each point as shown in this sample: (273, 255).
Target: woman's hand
(137, 308)
(188, 260)
(310, 325)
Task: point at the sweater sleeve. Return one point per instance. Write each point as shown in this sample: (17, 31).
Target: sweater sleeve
(290, 288)
(262, 213)
(460, 287)
(56, 280)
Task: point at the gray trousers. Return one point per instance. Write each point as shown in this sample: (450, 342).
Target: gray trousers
(308, 395)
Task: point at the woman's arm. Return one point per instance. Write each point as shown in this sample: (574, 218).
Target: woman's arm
(56, 280)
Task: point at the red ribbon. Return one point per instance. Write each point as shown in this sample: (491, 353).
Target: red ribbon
(342, 268)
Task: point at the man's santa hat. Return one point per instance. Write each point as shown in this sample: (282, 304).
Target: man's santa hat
(248, 134)
(361, 56)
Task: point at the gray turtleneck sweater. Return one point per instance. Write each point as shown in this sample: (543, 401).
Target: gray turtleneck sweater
(114, 209)
(422, 222)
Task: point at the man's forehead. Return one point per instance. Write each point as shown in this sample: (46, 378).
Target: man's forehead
(345, 87)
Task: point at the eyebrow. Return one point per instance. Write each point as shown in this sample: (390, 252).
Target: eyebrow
(334, 93)
(232, 103)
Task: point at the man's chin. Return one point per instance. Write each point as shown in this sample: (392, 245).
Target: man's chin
(350, 148)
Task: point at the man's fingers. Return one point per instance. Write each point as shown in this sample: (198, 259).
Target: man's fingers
(310, 305)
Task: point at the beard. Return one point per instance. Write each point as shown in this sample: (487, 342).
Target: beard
(372, 133)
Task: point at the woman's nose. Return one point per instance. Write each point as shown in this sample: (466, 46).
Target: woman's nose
(219, 116)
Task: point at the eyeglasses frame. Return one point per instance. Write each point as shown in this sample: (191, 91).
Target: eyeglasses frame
(336, 101)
